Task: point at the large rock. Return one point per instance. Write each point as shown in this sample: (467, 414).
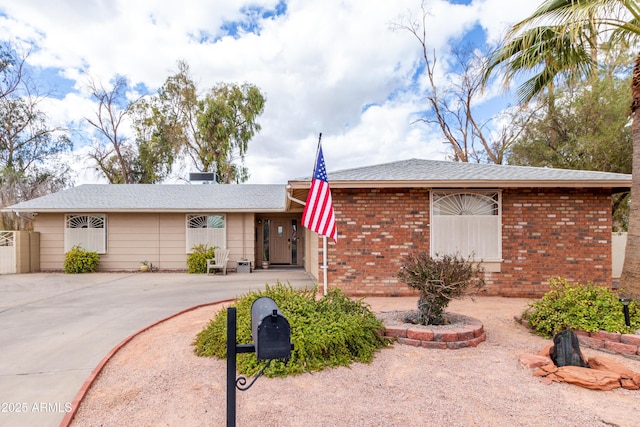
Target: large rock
(629, 379)
(602, 373)
(603, 364)
(589, 378)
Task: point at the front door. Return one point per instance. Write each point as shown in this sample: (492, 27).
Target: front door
(280, 241)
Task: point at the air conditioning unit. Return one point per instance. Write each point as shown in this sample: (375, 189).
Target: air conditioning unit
(206, 177)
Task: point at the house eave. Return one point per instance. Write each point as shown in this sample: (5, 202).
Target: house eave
(116, 210)
(618, 184)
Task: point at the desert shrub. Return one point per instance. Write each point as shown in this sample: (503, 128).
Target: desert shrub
(77, 260)
(328, 332)
(439, 280)
(588, 308)
(197, 259)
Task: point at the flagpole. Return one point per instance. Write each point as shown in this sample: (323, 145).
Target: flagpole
(324, 266)
(324, 263)
(312, 208)
(317, 151)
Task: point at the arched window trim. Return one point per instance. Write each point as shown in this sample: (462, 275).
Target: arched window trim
(466, 222)
(206, 229)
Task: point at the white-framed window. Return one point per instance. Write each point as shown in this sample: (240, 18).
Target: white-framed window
(7, 238)
(210, 230)
(468, 223)
(89, 231)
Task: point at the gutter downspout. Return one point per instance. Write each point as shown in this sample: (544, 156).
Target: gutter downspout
(293, 199)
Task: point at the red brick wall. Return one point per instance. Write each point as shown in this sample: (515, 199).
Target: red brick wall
(545, 233)
(551, 232)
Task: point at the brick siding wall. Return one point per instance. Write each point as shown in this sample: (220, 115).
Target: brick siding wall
(545, 233)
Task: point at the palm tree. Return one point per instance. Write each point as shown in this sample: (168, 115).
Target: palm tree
(560, 40)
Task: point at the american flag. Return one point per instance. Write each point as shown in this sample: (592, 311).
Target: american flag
(318, 213)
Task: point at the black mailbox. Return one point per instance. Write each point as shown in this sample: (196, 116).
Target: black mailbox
(270, 330)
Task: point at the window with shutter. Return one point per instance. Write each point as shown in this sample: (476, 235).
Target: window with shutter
(468, 223)
(207, 230)
(87, 231)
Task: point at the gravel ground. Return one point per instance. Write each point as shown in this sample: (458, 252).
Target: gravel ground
(156, 380)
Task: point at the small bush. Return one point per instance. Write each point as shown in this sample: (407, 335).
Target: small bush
(439, 280)
(77, 260)
(588, 308)
(332, 331)
(197, 259)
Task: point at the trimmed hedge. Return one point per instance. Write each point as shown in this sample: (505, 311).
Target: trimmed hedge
(327, 332)
(77, 260)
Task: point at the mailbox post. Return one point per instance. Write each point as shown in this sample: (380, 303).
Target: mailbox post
(271, 340)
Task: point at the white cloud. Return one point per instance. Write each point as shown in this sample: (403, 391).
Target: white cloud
(495, 16)
(331, 66)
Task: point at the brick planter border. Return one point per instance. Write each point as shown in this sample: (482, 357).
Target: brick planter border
(469, 335)
(624, 344)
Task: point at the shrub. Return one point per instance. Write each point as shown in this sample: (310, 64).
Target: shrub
(588, 308)
(439, 280)
(77, 260)
(197, 259)
(332, 331)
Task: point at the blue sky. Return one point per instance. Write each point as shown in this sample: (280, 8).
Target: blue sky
(330, 66)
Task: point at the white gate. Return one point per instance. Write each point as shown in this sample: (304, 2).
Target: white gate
(618, 246)
(7, 252)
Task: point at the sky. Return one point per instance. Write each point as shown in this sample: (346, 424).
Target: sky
(336, 67)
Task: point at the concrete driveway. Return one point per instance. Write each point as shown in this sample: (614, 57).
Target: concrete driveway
(55, 328)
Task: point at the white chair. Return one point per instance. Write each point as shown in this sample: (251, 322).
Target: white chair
(219, 262)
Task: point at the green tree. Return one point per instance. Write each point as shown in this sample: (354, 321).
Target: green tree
(29, 146)
(587, 127)
(586, 130)
(560, 40)
(147, 159)
(212, 131)
(227, 124)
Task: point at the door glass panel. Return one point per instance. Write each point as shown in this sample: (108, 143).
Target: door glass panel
(294, 242)
(265, 241)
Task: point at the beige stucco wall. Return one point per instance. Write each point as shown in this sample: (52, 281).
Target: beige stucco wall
(27, 251)
(51, 229)
(311, 250)
(134, 237)
(241, 237)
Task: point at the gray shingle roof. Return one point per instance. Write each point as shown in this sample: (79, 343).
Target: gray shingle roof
(435, 171)
(160, 198)
(272, 198)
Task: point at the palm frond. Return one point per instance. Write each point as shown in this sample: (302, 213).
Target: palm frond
(546, 47)
(561, 38)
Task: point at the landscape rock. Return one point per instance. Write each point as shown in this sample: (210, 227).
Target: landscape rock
(546, 351)
(533, 361)
(604, 364)
(629, 384)
(589, 378)
(602, 374)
